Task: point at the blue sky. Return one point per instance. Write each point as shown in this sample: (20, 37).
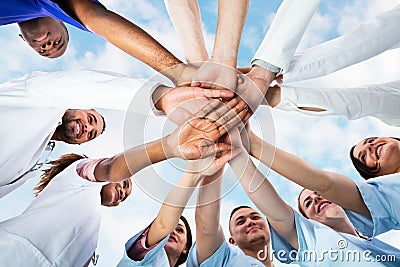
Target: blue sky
(323, 141)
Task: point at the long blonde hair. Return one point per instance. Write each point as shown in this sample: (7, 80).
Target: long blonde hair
(58, 166)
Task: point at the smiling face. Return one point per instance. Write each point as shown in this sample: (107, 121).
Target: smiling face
(79, 126)
(319, 209)
(47, 36)
(248, 228)
(177, 240)
(378, 156)
(113, 194)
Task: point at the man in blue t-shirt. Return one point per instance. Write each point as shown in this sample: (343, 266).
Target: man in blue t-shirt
(42, 27)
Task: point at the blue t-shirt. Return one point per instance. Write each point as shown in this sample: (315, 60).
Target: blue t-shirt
(320, 245)
(381, 195)
(23, 10)
(225, 256)
(155, 257)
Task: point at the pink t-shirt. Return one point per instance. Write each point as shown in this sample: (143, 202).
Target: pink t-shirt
(85, 169)
(139, 246)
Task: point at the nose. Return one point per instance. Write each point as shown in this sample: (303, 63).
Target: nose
(317, 198)
(250, 222)
(47, 44)
(88, 127)
(122, 193)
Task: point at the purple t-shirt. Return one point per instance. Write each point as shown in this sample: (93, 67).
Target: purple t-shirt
(23, 10)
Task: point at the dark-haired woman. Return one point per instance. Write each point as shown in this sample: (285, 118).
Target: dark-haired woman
(61, 226)
(166, 242)
(371, 206)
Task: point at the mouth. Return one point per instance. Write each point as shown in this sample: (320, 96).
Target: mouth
(252, 229)
(378, 151)
(322, 205)
(173, 238)
(42, 37)
(118, 195)
(77, 129)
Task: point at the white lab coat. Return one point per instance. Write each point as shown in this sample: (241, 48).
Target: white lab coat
(59, 228)
(285, 32)
(32, 106)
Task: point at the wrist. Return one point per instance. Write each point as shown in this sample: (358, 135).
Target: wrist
(158, 97)
(227, 61)
(169, 150)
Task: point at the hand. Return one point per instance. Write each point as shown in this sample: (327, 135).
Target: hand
(215, 76)
(173, 101)
(197, 137)
(207, 168)
(253, 86)
(181, 74)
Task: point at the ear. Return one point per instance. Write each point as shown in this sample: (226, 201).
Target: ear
(232, 241)
(22, 37)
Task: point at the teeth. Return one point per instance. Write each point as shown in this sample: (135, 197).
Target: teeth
(378, 151)
(77, 128)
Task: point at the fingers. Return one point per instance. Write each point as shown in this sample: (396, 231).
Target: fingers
(226, 126)
(212, 93)
(208, 108)
(227, 112)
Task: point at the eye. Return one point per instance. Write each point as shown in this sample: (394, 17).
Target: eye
(240, 222)
(308, 204)
(125, 184)
(362, 158)
(180, 230)
(256, 217)
(90, 119)
(90, 135)
(42, 51)
(56, 42)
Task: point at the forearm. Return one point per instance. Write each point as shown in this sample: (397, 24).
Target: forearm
(333, 186)
(285, 32)
(209, 234)
(127, 163)
(231, 19)
(185, 16)
(208, 206)
(366, 41)
(128, 37)
(172, 208)
(378, 100)
(288, 165)
(259, 189)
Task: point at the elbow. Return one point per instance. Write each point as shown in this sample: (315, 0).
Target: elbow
(323, 188)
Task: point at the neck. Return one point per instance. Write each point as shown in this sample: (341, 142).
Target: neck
(344, 226)
(56, 137)
(261, 253)
(172, 260)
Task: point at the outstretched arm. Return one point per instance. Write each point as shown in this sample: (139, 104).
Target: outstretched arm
(333, 186)
(209, 234)
(193, 139)
(220, 70)
(378, 100)
(261, 192)
(125, 35)
(174, 204)
(185, 15)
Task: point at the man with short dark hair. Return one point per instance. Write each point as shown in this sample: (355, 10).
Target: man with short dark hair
(42, 26)
(249, 244)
